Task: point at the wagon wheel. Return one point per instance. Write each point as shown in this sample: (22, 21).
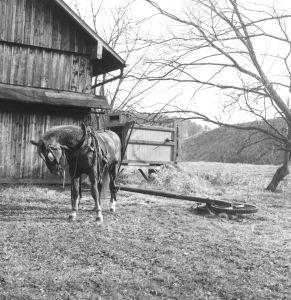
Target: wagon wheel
(234, 208)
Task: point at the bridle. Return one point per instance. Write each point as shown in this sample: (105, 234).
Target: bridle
(51, 155)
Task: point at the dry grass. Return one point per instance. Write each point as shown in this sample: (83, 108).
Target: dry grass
(151, 248)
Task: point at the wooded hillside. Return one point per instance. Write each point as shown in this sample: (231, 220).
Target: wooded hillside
(233, 146)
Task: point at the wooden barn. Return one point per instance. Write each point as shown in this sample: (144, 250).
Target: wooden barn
(48, 60)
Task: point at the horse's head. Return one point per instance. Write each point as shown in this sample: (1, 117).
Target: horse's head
(52, 154)
(52, 145)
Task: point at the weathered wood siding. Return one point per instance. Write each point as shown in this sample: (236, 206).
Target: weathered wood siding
(18, 158)
(41, 46)
(41, 23)
(35, 67)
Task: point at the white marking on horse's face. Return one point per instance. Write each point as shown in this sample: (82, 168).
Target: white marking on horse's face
(50, 156)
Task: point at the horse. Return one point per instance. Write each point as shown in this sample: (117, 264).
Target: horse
(95, 153)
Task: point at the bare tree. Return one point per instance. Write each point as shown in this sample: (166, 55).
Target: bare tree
(122, 32)
(239, 48)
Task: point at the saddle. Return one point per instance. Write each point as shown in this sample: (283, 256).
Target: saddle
(98, 146)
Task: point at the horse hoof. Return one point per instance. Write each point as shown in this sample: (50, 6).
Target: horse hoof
(112, 207)
(72, 218)
(99, 220)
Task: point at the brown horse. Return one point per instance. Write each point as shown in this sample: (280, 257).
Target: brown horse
(95, 153)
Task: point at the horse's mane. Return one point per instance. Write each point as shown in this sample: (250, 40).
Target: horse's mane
(66, 134)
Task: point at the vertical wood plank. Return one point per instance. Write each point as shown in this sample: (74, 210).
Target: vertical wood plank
(2, 19)
(15, 65)
(34, 157)
(30, 67)
(8, 62)
(39, 65)
(67, 72)
(23, 146)
(10, 26)
(56, 29)
(56, 75)
(19, 21)
(74, 73)
(82, 75)
(42, 25)
(8, 21)
(37, 24)
(34, 70)
(6, 142)
(72, 37)
(28, 27)
(13, 20)
(4, 69)
(88, 89)
(64, 29)
(43, 70)
(1, 61)
(81, 42)
(48, 25)
(36, 67)
(12, 151)
(3, 6)
(17, 157)
(50, 70)
(60, 71)
(2, 136)
(23, 66)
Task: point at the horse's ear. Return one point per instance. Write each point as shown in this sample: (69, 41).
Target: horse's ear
(40, 144)
(34, 143)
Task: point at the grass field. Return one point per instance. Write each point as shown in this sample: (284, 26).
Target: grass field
(151, 248)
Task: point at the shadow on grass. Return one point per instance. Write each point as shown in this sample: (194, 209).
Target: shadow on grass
(12, 213)
(16, 213)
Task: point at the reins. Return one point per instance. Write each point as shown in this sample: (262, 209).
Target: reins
(50, 148)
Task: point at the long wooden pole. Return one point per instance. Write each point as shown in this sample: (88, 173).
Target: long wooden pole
(172, 195)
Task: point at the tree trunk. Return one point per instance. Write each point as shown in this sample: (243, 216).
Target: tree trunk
(280, 173)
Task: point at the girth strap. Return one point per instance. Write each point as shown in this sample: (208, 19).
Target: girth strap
(101, 153)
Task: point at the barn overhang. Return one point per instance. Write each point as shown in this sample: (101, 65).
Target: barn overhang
(51, 97)
(104, 58)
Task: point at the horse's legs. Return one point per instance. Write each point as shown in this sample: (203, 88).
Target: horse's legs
(80, 190)
(96, 194)
(112, 186)
(74, 198)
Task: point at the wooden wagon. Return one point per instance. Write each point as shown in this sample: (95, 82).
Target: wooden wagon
(144, 144)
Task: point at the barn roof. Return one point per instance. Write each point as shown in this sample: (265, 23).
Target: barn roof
(105, 58)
